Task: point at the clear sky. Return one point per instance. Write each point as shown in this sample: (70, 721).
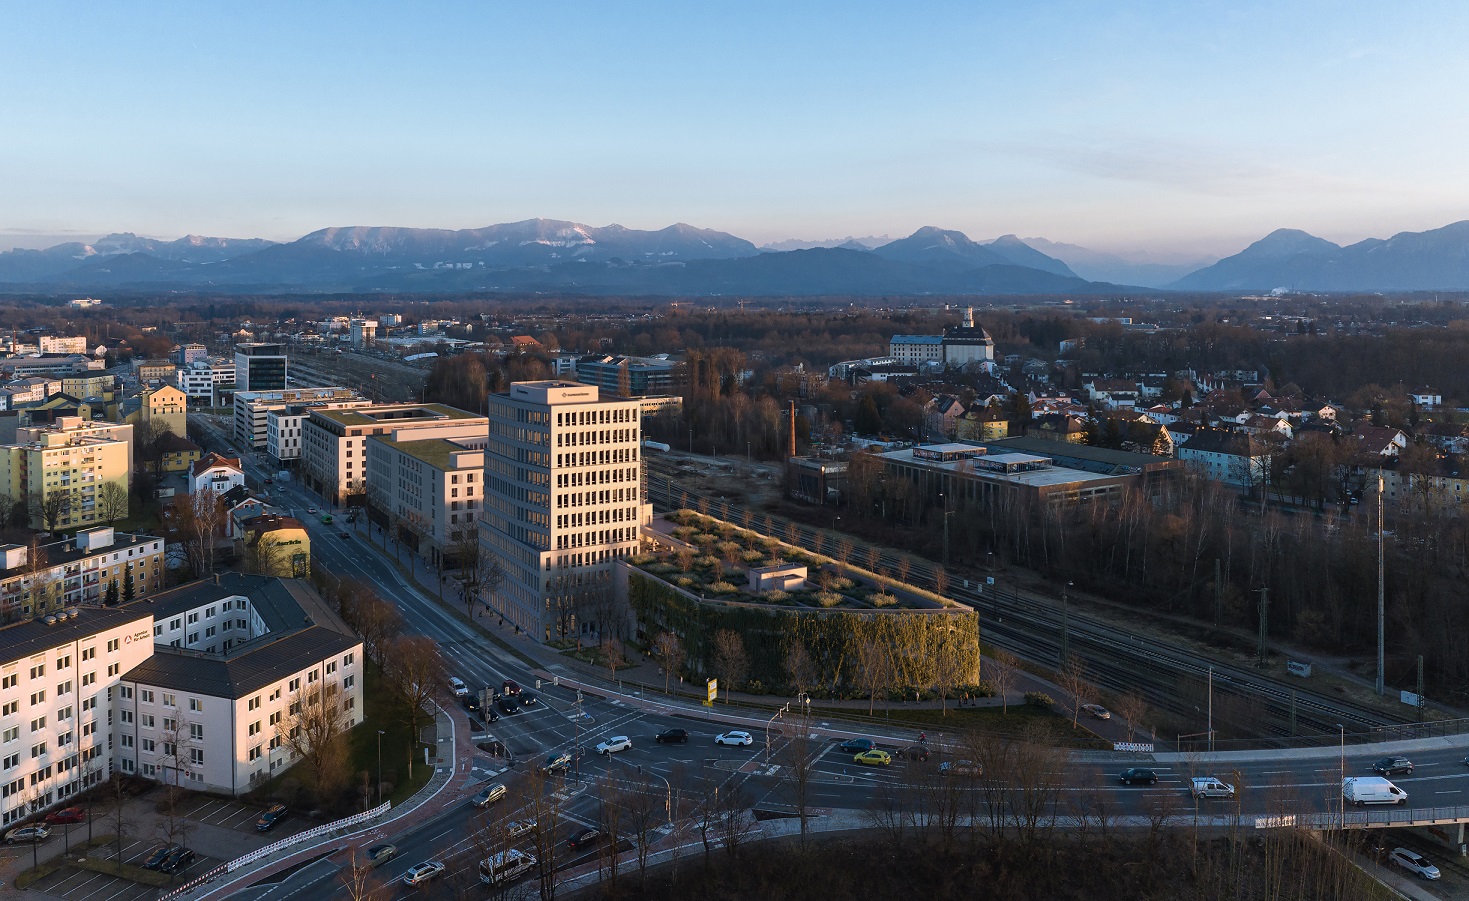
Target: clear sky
(1166, 126)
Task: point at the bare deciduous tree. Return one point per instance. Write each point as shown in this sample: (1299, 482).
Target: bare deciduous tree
(1072, 679)
(729, 661)
(414, 670)
(1002, 671)
(669, 653)
(315, 727)
(112, 502)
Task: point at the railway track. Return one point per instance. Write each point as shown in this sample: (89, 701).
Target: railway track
(1029, 626)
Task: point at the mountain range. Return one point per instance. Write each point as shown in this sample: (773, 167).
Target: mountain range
(1435, 260)
(550, 255)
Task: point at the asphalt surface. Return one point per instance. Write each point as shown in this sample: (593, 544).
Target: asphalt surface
(679, 776)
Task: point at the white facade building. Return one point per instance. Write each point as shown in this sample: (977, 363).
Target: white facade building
(200, 379)
(334, 441)
(434, 483)
(252, 408)
(57, 682)
(563, 497)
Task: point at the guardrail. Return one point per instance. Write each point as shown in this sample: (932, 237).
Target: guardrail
(288, 841)
(1367, 819)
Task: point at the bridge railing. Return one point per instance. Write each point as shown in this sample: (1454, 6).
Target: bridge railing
(1366, 818)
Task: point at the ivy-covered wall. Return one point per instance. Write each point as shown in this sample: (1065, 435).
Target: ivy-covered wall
(922, 648)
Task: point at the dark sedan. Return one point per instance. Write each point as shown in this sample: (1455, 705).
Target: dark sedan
(672, 736)
(271, 817)
(159, 855)
(1138, 775)
(858, 745)
(178, 860)
(586, 838)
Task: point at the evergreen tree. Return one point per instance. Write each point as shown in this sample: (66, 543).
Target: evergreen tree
(127, 584)
(112, 593)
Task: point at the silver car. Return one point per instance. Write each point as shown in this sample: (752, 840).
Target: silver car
(1414, 863)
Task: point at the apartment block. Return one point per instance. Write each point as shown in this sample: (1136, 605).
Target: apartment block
(434, 485)
(334, 442)
(562, 499)
(39, 578)
(202, 379)
(55, 344)
(61, 469)
(283, 427)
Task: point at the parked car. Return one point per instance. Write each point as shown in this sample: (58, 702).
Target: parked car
(614, 744)
(67, 815)
(489, 795)
(378, 855)
(1414, 863)
(1096, 711)
(420, 873)
(1392, 766)
(159, 855)
(672, 736)
(510, 687)
(178, 859)
(1211, 787)
(32, 833)
(272, 815)
(858, 745)
(585, 838)
(1136, 774)
(873, 757)
(457, 687)
(734, 738)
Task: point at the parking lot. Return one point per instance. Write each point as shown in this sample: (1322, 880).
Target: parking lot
(75, 884)
(228, 814)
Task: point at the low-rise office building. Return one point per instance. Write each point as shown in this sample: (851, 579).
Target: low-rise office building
(434, 486)
(982, 476)
(253, 407)
(334, 442)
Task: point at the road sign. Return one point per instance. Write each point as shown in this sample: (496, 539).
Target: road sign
(713, 692)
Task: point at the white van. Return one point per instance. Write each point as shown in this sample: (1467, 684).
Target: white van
(457, 687)
(1210, 787)
(1371, 790)
(506, 866)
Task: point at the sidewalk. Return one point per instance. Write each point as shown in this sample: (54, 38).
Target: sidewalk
(453, 780)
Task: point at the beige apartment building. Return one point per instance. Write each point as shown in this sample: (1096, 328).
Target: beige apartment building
(334, 442)
(42, 577)
(563, 499)
(60, 470)
(432, 486)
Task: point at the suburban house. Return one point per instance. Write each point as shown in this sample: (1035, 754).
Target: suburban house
(1379, 441)
(217, 473)
(1423, 396)
(276, 546)
(1113, 394)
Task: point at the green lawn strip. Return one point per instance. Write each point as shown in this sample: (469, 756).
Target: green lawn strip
(28, 877)
(127, 871)
(382, 711)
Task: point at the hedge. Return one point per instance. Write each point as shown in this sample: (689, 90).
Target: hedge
(919, 643)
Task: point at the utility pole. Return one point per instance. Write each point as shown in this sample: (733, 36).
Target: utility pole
(1264, 622)
(1211, 709)
(1065, 624)
(1381, 678)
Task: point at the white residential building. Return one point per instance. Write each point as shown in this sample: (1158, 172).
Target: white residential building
(202, 379)
(58, 676)
(54, 344)
(216, 473)
(334, 441)
(209, 716)
(563, 498)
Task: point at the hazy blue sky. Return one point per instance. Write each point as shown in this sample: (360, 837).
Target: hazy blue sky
(1164, 126)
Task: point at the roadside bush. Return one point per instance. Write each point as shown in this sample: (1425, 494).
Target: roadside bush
(1039, 699)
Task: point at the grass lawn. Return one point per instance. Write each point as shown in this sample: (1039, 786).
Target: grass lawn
(383, 713)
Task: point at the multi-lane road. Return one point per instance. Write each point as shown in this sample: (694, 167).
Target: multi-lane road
(681, 777)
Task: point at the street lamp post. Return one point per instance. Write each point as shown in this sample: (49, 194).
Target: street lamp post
(1342, 799)
(379, 766)
(768, 724)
